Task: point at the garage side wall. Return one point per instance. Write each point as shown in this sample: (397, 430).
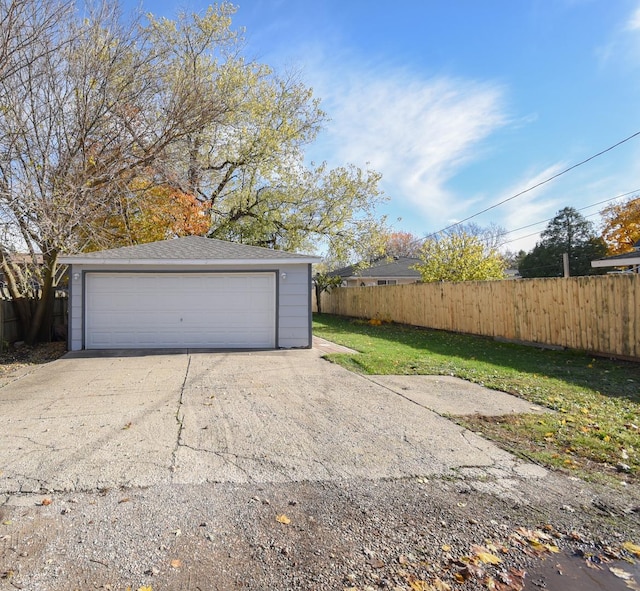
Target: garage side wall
(293, 289)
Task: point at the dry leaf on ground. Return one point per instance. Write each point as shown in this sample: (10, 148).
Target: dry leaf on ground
(633, 548)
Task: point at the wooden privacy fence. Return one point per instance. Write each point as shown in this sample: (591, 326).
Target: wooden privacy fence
(10, 327)
(597, 314)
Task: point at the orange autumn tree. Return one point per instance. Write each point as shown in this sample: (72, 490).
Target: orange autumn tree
(621, 225)
(147, 214)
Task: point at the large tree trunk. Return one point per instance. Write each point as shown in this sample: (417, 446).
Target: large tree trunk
(39, 329)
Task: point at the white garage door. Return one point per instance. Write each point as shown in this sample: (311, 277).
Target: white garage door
(173, 310)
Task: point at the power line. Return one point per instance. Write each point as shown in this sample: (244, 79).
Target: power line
(579, 209)
(555, 176)
(536, 233)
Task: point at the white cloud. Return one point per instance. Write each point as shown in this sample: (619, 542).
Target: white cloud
(418, 133)
(534, 206)
(623, 45)
(633, 23)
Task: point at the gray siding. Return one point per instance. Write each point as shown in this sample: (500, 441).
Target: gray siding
(293, 297)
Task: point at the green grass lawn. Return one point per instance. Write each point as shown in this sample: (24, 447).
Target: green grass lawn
(594, 432)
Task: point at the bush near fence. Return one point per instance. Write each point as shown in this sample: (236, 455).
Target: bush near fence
(597, 314)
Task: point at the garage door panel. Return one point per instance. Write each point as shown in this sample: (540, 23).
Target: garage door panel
(166, 310)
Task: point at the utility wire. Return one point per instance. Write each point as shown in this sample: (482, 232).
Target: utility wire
(579, 209)
(534, 233)
(555, 176)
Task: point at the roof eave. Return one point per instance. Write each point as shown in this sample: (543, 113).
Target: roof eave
(80, 260)
(635, 260)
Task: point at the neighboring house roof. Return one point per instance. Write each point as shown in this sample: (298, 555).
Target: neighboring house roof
(387, 267)
(191, 250)
(25, 258)
(620, 260)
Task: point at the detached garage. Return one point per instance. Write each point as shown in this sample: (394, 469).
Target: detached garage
(189, 292)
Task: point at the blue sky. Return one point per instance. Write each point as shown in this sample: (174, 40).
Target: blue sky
(463, 103)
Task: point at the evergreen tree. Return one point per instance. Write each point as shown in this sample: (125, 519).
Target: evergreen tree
(568, 232)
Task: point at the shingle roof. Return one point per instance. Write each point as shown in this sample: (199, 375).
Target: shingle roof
(384, 267)
(190, 248)
(620, 260)
(634, 254)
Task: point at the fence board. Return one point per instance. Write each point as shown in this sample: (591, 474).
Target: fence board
(598, 314)
(10, 331)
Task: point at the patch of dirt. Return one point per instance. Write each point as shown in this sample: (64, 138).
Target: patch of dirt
(22, 356)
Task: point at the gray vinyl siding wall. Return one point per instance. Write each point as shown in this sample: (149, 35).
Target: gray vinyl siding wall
(293, 313)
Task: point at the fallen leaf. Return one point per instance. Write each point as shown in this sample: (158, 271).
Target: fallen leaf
(446, 548)
(7, 522)
(633, 548)
(127, 426)
(419, 585)
(552, 548)
(283, 519)
(485, 556)
(176, 563)
(472, 571)
(145, 588)
(488, 558)
(439, 585)
(46, 502)
(621, 574)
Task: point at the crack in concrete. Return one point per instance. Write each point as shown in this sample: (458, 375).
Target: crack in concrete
(390, 389)
(36, 443)
(180, 418)
(464, 433)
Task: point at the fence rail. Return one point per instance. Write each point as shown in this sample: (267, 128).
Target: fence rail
(597, 314)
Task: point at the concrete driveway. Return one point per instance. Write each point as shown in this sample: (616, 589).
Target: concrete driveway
(92, 421)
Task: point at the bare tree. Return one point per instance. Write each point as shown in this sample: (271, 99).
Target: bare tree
(22, 23)
(86, 105)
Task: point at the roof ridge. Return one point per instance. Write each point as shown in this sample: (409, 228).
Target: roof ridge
(189, 248)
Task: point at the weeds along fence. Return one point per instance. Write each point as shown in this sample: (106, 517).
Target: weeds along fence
(597, 314)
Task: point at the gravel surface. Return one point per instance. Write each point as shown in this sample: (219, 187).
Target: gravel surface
(410, 534)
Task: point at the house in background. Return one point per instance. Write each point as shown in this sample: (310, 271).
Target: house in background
(631, 260)
(383, 271)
